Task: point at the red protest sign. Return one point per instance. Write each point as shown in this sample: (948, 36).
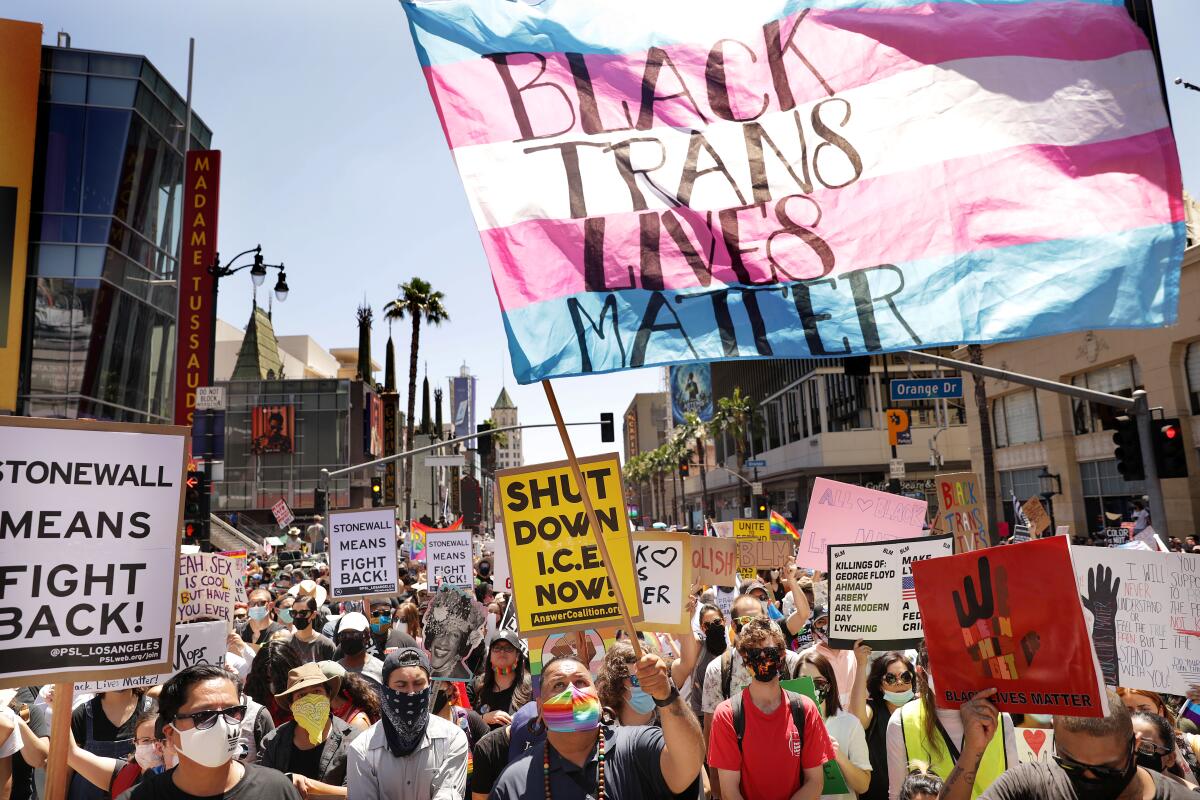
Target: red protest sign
(1010, 618)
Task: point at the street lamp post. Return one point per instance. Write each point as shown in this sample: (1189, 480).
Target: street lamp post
(1051, 485)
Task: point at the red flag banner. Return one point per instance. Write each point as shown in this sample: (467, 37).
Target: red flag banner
(1010, 618)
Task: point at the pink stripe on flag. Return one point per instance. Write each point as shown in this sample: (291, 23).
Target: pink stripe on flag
(846, 49)
(970, 204)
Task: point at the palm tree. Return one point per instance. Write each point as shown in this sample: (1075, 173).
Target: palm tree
(733, 416)
(418, 301)
(975, 354)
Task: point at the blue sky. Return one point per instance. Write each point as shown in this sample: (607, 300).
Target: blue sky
(333, 160)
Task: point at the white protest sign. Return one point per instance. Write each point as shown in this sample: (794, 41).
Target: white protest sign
(448, 559)
(283, 514)
(1144, 610)
(501, 574)
(195, 643)
(207, 587)
(872, 595)
(362, 553)
(663, 565)
(92, 510)
(724, 598)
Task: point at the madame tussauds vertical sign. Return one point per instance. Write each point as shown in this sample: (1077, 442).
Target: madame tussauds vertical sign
(90, 528)
(197, 312)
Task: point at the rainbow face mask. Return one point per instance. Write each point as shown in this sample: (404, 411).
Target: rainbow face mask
(575, 710)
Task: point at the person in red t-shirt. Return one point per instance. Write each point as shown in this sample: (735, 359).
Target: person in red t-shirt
(775, 760)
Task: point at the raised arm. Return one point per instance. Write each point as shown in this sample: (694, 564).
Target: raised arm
(683, 743)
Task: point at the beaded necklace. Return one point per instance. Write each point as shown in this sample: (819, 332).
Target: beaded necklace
(599, 768)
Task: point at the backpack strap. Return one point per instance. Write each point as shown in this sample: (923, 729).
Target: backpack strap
(739, 719)
(726, 672)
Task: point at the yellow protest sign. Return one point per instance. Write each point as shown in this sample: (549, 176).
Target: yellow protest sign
(753, 530)
(559, 579)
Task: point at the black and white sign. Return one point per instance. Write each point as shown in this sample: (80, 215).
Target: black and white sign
(872, 595)
(92, 510)
(195, 643)
(362, 553)
(448, 559)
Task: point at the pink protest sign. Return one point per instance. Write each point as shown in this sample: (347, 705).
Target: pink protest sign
(841, 513)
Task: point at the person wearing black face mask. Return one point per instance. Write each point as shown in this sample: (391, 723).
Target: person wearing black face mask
(1095, 759)
(353, 636)
(1156, 747)
(306, 643)
(712, 628)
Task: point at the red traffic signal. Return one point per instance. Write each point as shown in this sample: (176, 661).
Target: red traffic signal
(189, 530)
(1170, 431)
(1170, 452)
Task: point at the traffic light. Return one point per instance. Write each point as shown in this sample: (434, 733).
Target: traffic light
(606, 427)
(376, 492)
(320, 501)
(1129, 449)
(190, 532)
(483, 444)
(685, 468)
(1170, 454)
(195, 507)
(193, 495)
(761, 507)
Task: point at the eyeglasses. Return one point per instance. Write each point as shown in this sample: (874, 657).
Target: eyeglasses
(820, 684)
(203, 720)
(892, 679)
(1150, 748)
(1101, 771)
(301, 614)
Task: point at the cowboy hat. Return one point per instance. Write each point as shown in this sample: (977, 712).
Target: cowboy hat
(310, 588)
(306, 676)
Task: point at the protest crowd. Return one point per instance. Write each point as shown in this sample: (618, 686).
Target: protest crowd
(433, 694)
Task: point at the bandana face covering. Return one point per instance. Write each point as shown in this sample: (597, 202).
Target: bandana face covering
(311, 713)
(763, 663)
(574, 710)
(405, 717)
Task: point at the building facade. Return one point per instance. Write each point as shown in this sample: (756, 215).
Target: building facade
(1037, 431)
(645, 425)
(99, 324)
(509, 451)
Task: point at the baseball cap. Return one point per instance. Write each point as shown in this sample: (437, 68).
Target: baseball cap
(353, 621)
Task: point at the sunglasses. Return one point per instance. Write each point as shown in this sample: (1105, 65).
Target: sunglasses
(260, 603)
(891, 679)
(755, 653)
(1102, 772)
(203, 720)
(301, 614)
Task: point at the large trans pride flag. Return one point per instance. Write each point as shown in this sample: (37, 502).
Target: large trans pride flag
(662, 181)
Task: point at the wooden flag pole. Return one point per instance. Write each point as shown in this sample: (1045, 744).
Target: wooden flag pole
(577, 474)
(60, 732)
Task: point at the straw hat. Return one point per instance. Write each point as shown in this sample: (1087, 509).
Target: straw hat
(310, 588)
(304, 677)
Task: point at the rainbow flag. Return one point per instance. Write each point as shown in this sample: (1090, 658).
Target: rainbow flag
(696, 180)
(780, 525)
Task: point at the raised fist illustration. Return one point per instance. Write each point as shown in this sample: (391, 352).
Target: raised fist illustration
(987, 626)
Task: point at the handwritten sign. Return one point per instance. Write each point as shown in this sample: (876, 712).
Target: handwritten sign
(872, 593)
(664, 571)
(842, 513)
(772, 553)
(195, 643)
(1034, 745)
(714, 560)
(960, 510)
(1143, 606)
(448, 558)
(1035, 512)
(206, 588)
(750, 530)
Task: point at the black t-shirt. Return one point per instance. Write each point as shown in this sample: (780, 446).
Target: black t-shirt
(259, 783)
(102, 729)
(22, 773)
(264, 636)
(489, 757)
(1049, 782)
(397, 637)
(495, 699)
(305, 762)
(319, 649)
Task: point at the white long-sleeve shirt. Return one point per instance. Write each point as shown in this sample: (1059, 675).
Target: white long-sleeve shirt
(436, 770)
(897, 757)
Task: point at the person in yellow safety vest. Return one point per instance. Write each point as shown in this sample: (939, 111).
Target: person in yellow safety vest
(918, 731)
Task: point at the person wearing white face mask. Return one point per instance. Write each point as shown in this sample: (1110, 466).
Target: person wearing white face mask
(201, 716)
(112, 775)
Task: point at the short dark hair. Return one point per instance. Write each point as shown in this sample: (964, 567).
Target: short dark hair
(312, 601)
(1116, 724)
(174, 694)
(1162, 728)
(920, 780)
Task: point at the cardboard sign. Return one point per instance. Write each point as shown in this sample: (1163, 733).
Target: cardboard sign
(1034, 745)
(239, 574)
(1002, 624)
(207, 587)
(773, 553)
(724, 597)
(960, 510)
(90, 527)
(448, 559)
(714, 560)
(1143, 606)
(559, 579)
(362, 553)
(664, 570)
(195, 643)
(1035, 512)
(750, 530)
(501, 577)
(842, 513)
(872, 595)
